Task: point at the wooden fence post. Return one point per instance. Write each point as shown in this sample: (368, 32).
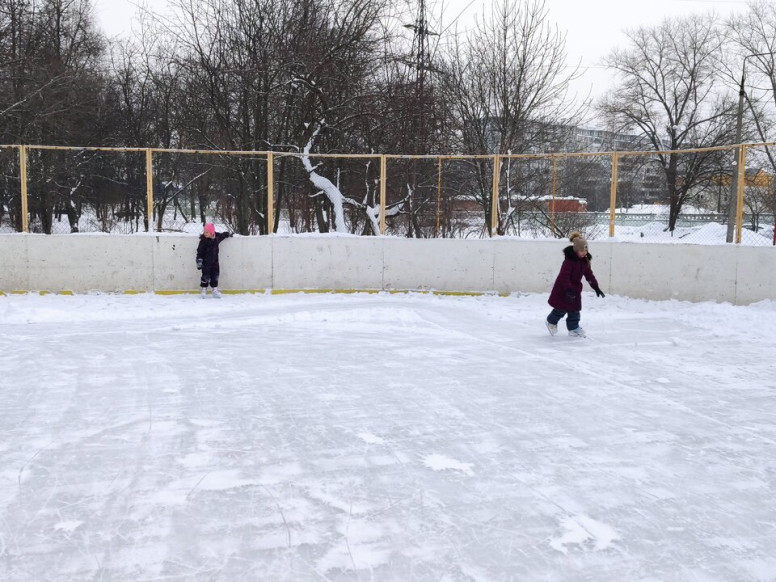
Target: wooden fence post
(23, 182)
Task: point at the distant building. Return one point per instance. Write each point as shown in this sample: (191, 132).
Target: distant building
(600, 140)
(564, 203)
(641, 179)
(566, 138)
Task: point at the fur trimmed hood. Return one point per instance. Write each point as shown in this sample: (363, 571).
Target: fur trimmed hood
(571, 254)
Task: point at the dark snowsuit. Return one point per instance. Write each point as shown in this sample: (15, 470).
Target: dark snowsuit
(207, 251)
(566, 295)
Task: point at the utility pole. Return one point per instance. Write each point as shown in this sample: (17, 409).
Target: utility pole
(420, 61)
(733, 201)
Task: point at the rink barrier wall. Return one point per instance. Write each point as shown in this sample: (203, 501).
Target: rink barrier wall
(334, 263)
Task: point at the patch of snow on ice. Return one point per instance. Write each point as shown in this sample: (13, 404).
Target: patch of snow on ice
(443, 463)
(581, 529)
(370, 439)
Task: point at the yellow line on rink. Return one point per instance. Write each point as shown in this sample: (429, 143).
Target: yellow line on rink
(269, 292)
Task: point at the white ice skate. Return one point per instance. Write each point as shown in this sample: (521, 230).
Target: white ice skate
(551, 327)
(202, 292)
(216, 293)
(579, 332)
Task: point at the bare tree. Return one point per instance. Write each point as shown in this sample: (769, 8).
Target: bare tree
(508, 84)
(670, 91)
(753, 35)
(258, 74)
(332, 75)
(50, 93)
(144, 98)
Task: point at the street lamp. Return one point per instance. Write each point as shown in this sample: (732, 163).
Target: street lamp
(732, 203)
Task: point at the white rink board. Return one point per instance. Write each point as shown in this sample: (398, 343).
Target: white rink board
(14, 273)
(83, 263)
(61, 263)
(314, 262)
(755, 275)
(438, 264)
(689, 272)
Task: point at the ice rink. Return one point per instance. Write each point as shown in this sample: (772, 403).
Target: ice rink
(385, 437)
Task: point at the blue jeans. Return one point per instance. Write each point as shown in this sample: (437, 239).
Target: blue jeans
(572, 321)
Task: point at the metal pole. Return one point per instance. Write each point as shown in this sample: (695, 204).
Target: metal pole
(733, 182)
(740, 183)
(383, 173)
(149, 189)
(270, 193)
(494, 199)
(23, 183)
(613, 193)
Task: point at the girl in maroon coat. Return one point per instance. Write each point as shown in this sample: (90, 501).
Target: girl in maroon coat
(566, 296)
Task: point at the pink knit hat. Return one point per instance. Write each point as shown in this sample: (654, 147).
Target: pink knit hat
(210, 228)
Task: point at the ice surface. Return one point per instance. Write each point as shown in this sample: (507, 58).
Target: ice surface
(385, 437)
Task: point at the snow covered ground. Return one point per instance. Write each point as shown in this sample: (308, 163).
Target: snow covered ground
(643, 223)
(385, 437)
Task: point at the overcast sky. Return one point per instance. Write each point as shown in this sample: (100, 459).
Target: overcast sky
(594, 27)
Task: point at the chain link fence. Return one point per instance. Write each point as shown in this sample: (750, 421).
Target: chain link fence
(759, 197)
(692, 196)
(10, 192)
(192, 188)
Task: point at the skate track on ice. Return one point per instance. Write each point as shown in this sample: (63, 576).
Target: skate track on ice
(385, 437)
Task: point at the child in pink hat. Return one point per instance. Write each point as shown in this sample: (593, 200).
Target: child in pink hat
(207, 259)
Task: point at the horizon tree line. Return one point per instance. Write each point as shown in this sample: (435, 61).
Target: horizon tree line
(355, 76)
